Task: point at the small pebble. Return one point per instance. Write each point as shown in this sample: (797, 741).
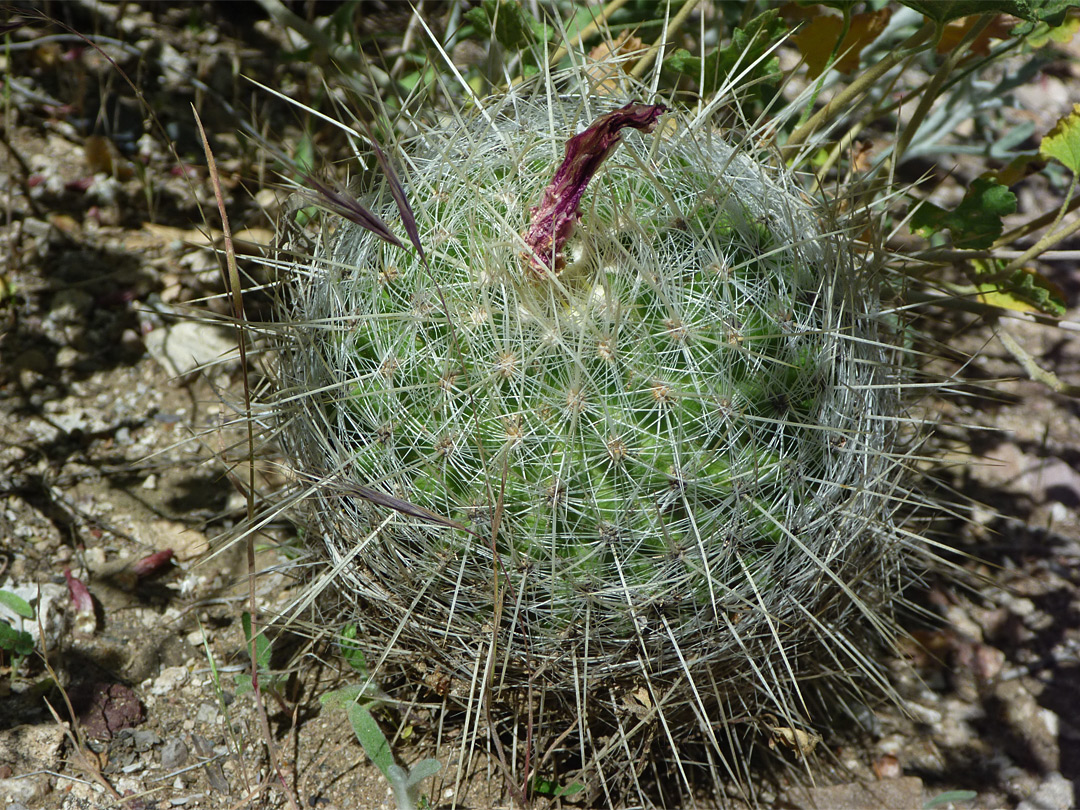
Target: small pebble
(207, 714)
(174, 753)
(1055, 792)
(67, 357)
(170, 679)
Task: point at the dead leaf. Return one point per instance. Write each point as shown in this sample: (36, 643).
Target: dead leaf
(816, 41)
(956, 30)
(638, 702)
(1017, 169)
(102, 157)
(553, 220)
(801, 742)
(609, 59)
(861, 160)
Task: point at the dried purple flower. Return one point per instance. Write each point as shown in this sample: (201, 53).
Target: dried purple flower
(85, 618)
(152, 564)
(554, 219)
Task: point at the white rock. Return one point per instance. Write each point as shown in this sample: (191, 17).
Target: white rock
(170, 679)
(1055, 792)
(182, 348)
(925, 714)
(38, 746)
(67, 357)
(24, 789)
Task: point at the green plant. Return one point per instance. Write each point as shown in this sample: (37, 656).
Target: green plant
(15, 642)
(949, 797)
(360, 702)
(646, 440)
(623, 446)
(269, 681)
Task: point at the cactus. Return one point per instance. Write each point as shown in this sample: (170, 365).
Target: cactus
(649, 445)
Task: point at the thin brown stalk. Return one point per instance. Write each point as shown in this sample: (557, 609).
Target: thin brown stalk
(588, 30)
(930, 95)
(1039, 222)
(646, 60)
(232, 284)
(1054, 235)
(857, 88)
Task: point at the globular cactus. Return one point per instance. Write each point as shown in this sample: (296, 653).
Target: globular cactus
(625, 432)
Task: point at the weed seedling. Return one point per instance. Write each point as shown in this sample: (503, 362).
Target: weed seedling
(360, 703)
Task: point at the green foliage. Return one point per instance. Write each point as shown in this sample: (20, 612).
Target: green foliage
(263, 653)
(406, 784)
(949, 797)
(360, 703)
(17, 642)
(844, 6)
(16, 604)
(304, 155)
(747, 46)
(545, 787)
(1020, 290)
(1063, 141)
(262, 643)
(352, 654)
(976, 222)
(371, 736)
(616, 470)
(1044, 33)
(343, 21)
(512, 26)
(1050, 12)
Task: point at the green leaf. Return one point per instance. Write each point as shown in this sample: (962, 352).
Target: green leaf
(304, 154)
(1051, 12)
(506, 19)
(243, 684)
(340, 698)
(840, 5)
(746, 47)
(942, 11)
(371, 737)
(350, 651)
(1044, 33)
(545, 787)
(1063, 141)
(17, 605)
(422, 770)
(976, 222)
(262, 643)
(950, 796)
(1021, 290)
(17, 642)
